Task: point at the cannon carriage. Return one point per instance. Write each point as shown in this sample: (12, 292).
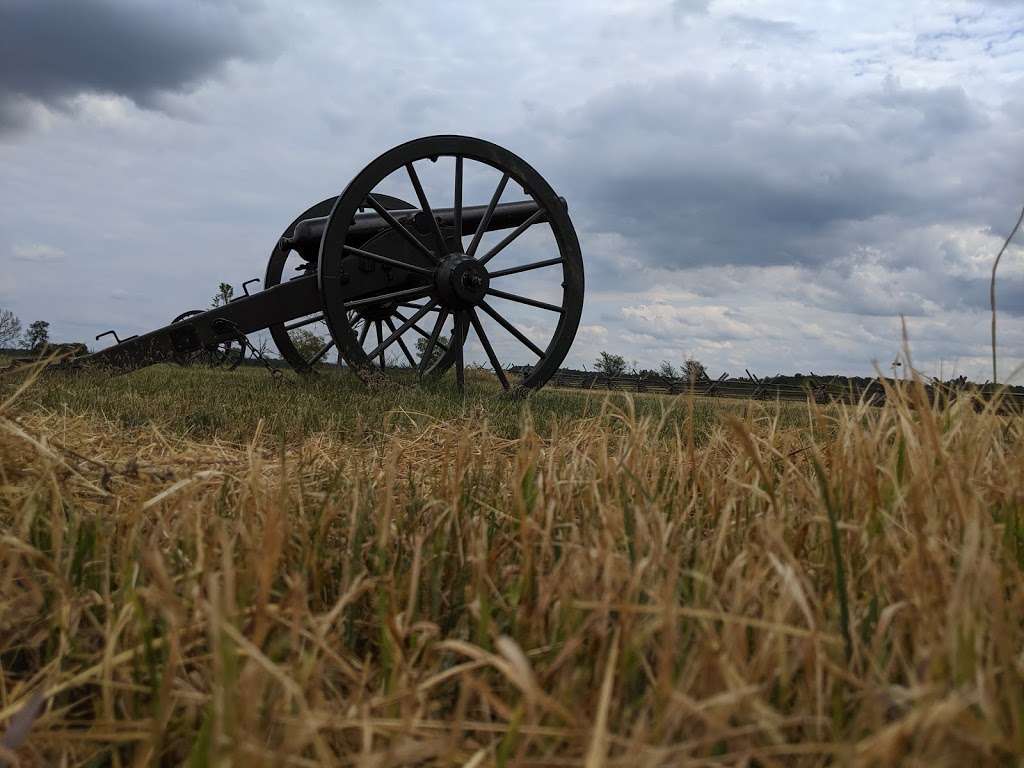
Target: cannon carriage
(381, 271)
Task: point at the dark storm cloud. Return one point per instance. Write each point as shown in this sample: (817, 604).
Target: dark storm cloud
(51, 50)
(973, 293)
(699, 171)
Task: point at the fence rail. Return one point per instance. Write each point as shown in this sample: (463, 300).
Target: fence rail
(796, 388)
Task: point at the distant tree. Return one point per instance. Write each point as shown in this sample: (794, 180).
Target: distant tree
(613, 365)
(307, 343)
(667, 370)
(10, 327)
(421, 350)
(693, 370)
(263, 346)
(224, 294)
(38, 333)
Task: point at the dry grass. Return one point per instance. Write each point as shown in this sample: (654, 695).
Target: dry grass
(622, 587)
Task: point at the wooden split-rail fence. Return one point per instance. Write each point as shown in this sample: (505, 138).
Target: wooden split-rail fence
(821, 389)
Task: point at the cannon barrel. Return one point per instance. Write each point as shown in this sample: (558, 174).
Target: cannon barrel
(307, 233)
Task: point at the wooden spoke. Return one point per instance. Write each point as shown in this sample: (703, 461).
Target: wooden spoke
(319, 355)
(486, 220)
(407, 293)
(488, 348)
(457, 209)
(420, 331)
(380, 344)
(383, 344)
(432, 340)
(526, 267)
(512, 236)
(396, 225)
(425, 207)
(307, 321)
(524, 300)
(511, 328)
(460, 358)
(385, 260)
(405, 349)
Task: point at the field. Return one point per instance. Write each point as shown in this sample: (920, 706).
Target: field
(212, 568)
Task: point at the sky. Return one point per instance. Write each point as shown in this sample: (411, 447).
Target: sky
(768, 186)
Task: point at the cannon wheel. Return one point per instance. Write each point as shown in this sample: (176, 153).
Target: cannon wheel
(451, 280)
(219, 356)
(372, 317)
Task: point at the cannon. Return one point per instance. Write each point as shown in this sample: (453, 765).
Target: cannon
(403, 280)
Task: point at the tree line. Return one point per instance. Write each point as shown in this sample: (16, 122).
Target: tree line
(11, 334)
(616, 365)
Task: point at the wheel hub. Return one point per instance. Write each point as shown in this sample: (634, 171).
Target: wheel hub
(462, 281)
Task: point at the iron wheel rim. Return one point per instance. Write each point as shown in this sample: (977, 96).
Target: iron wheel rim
(513, 168)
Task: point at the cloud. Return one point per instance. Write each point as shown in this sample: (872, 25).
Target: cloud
(51, 51)
(669, 322)
(702, 170)
(37, 252)
(759, 31)
(683, 8)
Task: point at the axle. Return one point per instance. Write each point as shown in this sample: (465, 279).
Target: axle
(306, 237)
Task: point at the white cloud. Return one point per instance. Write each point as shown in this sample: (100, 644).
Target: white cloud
(37, 252)
(705, 322)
